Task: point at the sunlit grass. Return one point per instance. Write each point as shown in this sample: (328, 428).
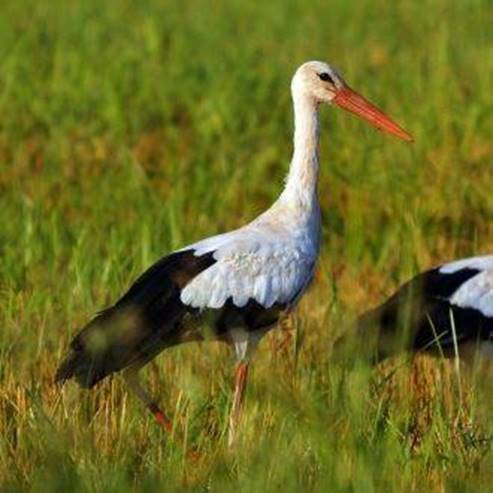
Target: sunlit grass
(128, 129)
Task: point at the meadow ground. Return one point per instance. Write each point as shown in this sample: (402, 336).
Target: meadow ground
(128, 129)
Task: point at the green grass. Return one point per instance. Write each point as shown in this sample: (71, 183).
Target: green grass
(128, 129)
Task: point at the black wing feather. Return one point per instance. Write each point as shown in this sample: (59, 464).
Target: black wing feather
(139, 325)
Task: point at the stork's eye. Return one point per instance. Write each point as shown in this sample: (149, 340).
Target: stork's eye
(326, 77)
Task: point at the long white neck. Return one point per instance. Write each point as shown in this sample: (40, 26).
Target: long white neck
(301, 183)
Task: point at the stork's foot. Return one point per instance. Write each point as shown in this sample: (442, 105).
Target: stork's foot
(131, 378)
(164, 422)
(161, 418)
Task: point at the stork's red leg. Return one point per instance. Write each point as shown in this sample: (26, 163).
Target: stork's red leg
(238, 398)
(132, 380)
(160, 417)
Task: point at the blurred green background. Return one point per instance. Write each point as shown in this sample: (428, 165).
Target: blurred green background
(128, 129)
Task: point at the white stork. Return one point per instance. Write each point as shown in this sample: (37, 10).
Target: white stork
(447, 310)
(235, 284)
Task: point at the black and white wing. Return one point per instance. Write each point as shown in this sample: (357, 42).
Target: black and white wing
(450, 304)
(245, 277)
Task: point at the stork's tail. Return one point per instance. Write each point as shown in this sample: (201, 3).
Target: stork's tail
(84, 366)
(75, 365)
(109, 343)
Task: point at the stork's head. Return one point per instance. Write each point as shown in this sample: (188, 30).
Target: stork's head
(322, 83)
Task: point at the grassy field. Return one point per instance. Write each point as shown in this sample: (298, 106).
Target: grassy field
(128, 129)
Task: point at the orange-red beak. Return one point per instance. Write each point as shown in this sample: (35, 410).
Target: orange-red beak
(353, 102)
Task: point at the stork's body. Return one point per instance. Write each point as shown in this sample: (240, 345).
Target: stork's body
(447, 310)
(236, 284)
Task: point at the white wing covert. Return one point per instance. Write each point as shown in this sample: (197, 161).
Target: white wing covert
(479, 263)
(250, 265)
(476, 293)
